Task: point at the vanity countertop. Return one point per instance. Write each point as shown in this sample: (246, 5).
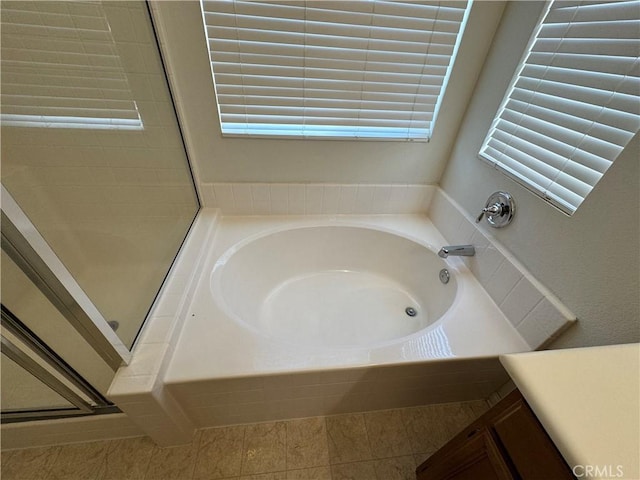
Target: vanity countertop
(588, 400)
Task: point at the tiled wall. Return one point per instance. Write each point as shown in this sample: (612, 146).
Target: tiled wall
(257, 399)
(533, 310)
(138, 389)
(313, 199)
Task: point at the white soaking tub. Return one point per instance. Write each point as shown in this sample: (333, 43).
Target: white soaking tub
(301, 316)
(332, 286)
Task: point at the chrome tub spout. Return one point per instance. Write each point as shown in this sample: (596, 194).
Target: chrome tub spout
(457, 250)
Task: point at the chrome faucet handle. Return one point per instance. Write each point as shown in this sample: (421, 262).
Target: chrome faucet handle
(499, 209)
(495, 209)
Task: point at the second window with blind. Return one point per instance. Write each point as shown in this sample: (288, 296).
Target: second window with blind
(574, 104)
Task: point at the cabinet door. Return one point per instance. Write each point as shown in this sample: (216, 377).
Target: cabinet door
(529, 447)
(474, 458)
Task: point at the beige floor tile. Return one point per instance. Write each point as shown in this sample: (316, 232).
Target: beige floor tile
(175, 463)
(418, 458)
(219, 453)
(348, 441)
(307, 443)
(315, 473)
(128, 459)
(354, 471)
(397, 468)
(385, 445)
(431, 426)
(264, 448)
(387, 434)
(5, 456)
(266, 476)
(455, 416)
(29, 464)
(80, 461)
(422, 429)
(478, 407)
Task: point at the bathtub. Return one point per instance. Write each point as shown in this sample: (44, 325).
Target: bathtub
(301, 316)
(332, 286)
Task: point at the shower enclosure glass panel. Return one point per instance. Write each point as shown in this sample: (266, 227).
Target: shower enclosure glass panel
(22, 391)
(37, 382)
(91, 147)
(28, 303)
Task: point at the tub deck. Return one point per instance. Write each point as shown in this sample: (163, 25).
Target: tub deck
(212, 345)
(222, 372)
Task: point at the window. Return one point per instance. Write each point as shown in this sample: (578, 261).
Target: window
(337, 69)
(61, 69)
(574, 103)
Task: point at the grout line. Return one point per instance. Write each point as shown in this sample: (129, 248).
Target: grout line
(404, 427)
(509, 293)
(197, 455)
(366, 432)
(244, 439)
(528, 313)
(149, 457)
(146, 470)
(286, 446)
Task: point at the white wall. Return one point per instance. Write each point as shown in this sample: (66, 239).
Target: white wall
(218, 159)
(590, 260)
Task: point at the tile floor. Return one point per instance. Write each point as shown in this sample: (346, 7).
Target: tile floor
(380, 445)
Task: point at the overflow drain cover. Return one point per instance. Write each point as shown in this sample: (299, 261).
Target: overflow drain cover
(444, 276)
(412, 312)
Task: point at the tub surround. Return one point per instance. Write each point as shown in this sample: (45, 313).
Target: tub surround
(172, 386)
(231, 375)
(315, 198)
(536, 313)
(231, 350)
(260, 398)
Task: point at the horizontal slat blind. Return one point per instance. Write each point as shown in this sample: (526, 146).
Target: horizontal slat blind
(355, 69)
(575, 103)
(61, 68)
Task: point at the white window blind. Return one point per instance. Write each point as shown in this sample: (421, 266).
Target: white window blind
(574, 104)
(61, 68)
(355, 69)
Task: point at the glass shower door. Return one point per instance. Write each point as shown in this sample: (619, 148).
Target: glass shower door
(26, 303)
(38, 383)
(23, 392)
(91, 148)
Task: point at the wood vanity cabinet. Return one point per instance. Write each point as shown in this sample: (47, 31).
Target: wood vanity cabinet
(507, 442)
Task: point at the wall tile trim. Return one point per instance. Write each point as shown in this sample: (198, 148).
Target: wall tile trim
(315, 198)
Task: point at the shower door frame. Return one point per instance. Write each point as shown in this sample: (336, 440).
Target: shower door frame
(22, 242)
(34, 345)
(28, 249)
